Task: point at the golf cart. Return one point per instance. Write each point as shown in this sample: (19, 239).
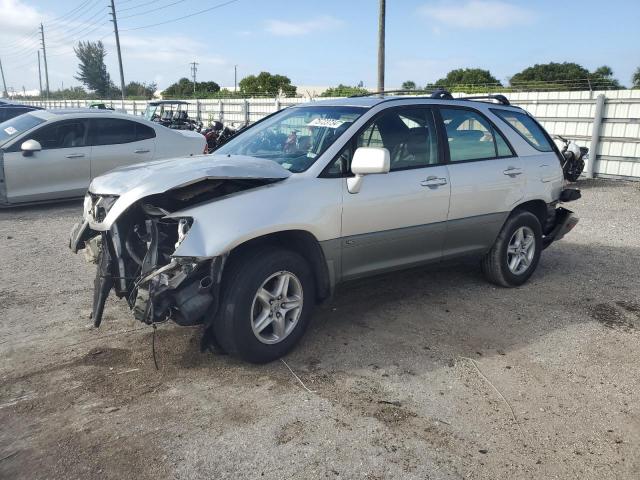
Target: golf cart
(100, 106)
(172, 114)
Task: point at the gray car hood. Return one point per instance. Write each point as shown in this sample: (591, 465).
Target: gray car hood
(134, 182)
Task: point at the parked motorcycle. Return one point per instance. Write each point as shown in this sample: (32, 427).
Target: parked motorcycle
(218, 134)
(574, 158)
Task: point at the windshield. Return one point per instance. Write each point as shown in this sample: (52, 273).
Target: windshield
(295, 137)
(17, 125)
(150, 112)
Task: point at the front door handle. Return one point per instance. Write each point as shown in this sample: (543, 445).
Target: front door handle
(141, 150)
(433, 181)
(513, 171)
(75, 155)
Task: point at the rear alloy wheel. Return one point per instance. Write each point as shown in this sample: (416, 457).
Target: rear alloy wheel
(267, 298)
(521, 250)
(516, 252)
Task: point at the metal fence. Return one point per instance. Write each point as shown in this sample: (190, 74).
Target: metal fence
(614, 143)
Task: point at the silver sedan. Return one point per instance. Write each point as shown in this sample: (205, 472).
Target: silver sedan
(54, 154)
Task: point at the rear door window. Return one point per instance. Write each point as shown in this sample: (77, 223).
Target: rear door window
(526, 127)
(112, 131)
(471, 136)
(144, 132)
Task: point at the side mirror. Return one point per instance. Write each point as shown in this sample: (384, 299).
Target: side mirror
(367, 161)
(29, 147)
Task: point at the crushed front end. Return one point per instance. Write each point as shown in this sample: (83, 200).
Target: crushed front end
(135, 257)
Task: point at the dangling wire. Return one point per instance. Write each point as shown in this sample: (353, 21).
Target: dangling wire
(153, 345)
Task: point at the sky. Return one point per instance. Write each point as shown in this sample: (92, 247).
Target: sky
(318, 42)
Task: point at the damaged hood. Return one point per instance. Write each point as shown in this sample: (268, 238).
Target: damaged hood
(134, 182)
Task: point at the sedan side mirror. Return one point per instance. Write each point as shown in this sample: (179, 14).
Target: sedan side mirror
(29, 147)
(367, 161)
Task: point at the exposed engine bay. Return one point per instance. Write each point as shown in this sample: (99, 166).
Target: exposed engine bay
(135, 258)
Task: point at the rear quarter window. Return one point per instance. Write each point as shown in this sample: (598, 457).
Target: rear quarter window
(527, 128)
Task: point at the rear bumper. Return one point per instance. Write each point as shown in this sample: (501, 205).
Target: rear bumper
(565, 220)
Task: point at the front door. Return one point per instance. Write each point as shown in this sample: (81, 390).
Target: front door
(396, 219)
(487, 180)
(60, 170)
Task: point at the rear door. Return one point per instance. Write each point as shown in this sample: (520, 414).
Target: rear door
(60, 170)
(117, 142)
(396, 219)
(486, 180)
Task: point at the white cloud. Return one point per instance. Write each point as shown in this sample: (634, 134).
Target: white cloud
(481, 14)
(289, 28)
(17, 18)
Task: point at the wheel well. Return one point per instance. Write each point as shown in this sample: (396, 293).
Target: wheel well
(537, 207)
(301, 242)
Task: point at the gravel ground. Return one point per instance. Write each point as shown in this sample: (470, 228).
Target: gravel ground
(421, 374)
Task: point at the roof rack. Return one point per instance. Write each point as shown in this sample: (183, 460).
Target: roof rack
(440, 94)
(383, 92)
(500, 98)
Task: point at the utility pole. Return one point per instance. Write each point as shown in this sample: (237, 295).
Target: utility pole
(235, 78)
(115, 28)
(39, 75)
(44, 54)
(5, 94)
(194, 71)
(381, 22)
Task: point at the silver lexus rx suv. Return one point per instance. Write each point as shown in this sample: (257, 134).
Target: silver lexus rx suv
(248, 240)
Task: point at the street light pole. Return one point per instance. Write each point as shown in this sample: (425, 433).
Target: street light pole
(235, 78)
(381, 25)
(115, 28)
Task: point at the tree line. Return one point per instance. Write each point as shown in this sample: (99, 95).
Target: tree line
(93, 74)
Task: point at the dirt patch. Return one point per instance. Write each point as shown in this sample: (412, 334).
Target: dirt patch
(611, 317)
(289, 432)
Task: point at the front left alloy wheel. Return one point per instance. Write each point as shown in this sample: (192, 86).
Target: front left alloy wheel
(267, 299)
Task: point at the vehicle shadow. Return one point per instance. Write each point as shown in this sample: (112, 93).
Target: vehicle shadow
(58, 206)
(423, 318)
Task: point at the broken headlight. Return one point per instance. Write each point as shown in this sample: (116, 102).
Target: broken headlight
(96, 207)
(184, 224)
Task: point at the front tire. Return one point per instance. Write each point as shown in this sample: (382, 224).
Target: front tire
(516, 252)
(267, 300)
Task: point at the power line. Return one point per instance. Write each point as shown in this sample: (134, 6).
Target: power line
(181, 18)
(137, 6)
(154, 9)
(70, 12)
(20, 41)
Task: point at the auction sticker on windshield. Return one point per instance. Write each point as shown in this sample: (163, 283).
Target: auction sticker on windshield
(10, 130)
(325, 122)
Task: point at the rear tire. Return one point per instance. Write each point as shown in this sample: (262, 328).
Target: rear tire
(516, 252)
(267, 299)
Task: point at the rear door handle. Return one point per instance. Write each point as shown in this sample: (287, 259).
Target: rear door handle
(141, 150)
(513, 171)
(433, 181)
(75, 155)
